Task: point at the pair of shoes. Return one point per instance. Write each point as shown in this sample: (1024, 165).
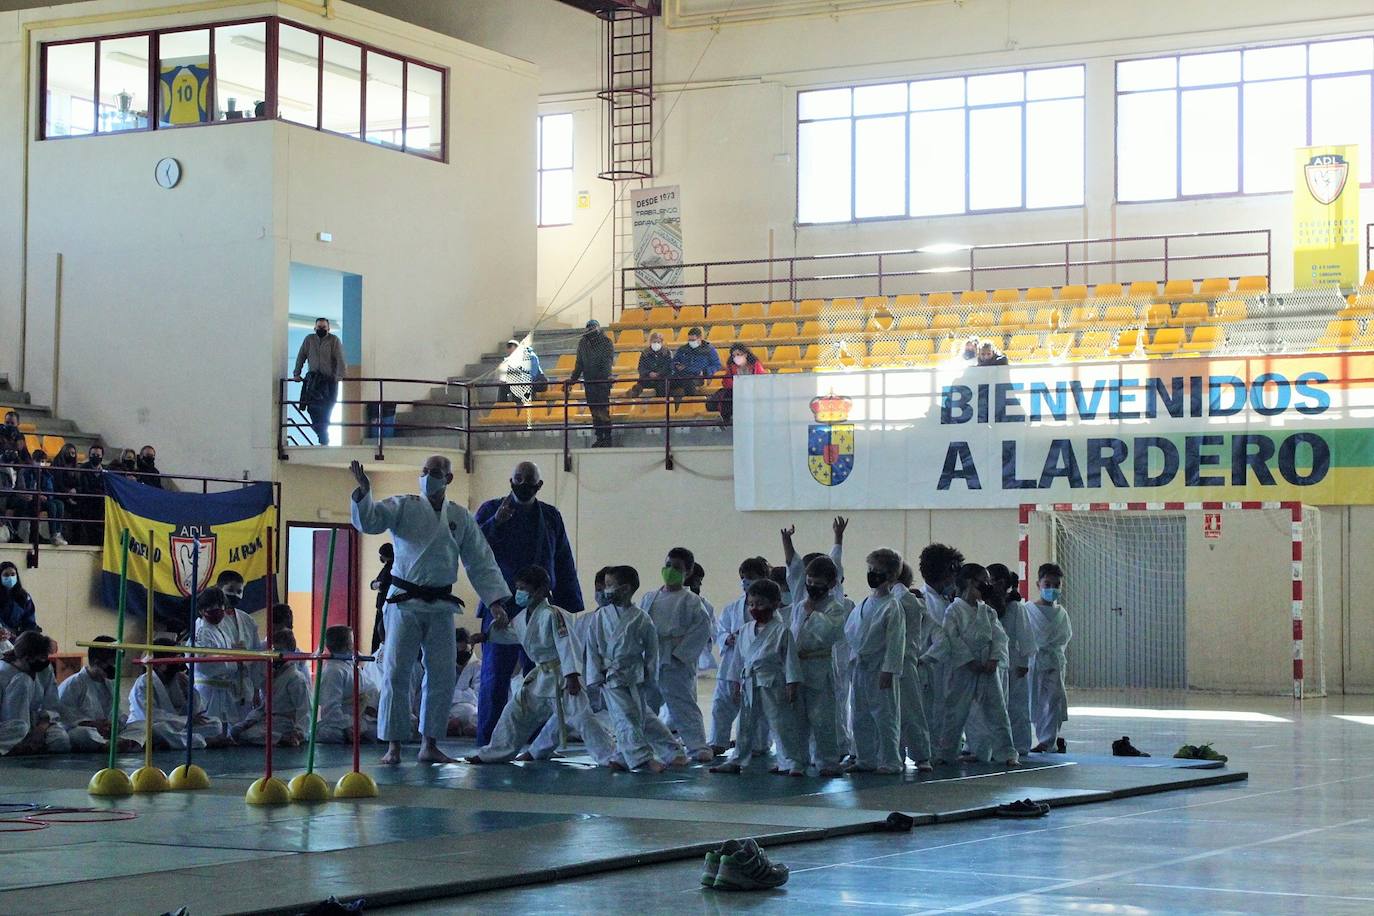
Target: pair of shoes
(1200, 752)
(1023, 808)
(1123, 747)
(1060, 747)
(719, 751)
(742, 866)
(898, 822)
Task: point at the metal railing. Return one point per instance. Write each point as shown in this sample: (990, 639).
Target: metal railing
(76, 504)
(933, 267)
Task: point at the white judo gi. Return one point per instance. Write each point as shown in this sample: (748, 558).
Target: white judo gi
(937, 678)
(22, 706)
(916, 676)
(1049, 698)
(336, 705)
(765, 663)
(622, 655)
(973, 634)
(816, 633)
(796, 583)
(707, 661)
(85, 698)
(464, 705)
(588, 704)
(876, 633)
(290, 710)
(429, 545)
(683, 629)
(724, 706)
(226, 688)
(169, 715)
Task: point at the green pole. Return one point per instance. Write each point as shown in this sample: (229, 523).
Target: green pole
(119, 637)
(319, 647)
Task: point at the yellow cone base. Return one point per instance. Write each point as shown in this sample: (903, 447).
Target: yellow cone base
(355, 785)
(309, 787)
(268, 792)
(112, 783)
(149, 779)
(182, 779)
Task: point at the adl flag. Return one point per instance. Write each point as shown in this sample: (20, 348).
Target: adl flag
(231, 526)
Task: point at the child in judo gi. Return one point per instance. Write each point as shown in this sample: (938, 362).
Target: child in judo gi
(1049, 699)
(724, 705)
(683, 629)
(796, 575)
(462, 715)
(817, 624)
(28, 719)
(290, 704)
(769, 675)
(915, 681)
(172, 698)
(1014, 615)
(226, 689)
(85, 700)
(876, 633)
(938, 565)
(336, 692)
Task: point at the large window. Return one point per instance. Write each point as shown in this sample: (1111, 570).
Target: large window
(1227, 122)
(215, 73)
(555, 192)
(998, 141)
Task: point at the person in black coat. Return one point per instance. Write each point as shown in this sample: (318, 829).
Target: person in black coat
(655, 368)
(595, 360)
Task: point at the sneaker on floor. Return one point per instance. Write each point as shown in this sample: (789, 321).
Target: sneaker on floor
(59, 541)
(898, 822)
(749, 870)
(709, 869)
(1060, 746)
(1186, 752)
(1022, 808)
(923, 766)
(1205, 752)
(1122, 747)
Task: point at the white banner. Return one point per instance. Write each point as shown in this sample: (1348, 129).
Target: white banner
(658, 245)
(1275, 428)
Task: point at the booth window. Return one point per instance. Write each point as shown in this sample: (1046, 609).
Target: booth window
(242, 71)
(555, 192)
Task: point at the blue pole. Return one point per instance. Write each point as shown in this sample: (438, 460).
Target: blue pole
(191, 665)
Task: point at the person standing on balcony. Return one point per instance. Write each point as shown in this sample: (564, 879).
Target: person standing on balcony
(694, 361)
(320, 388)
(595, 361)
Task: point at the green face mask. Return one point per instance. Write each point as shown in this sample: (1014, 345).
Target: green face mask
(673, 577)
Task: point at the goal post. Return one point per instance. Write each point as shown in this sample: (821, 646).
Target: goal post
(1169, 599)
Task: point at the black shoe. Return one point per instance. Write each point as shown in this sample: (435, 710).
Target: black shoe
(1123, 747)
(1023, 808)
(1060, 747)
(898, 822)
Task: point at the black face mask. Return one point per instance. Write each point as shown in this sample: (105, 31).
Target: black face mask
(875, 578)
(464, 658)
(321, 332)
(524, 490)
(233, 600)
(147, 461)
(95, 461)
(817, 592)
(37, 668)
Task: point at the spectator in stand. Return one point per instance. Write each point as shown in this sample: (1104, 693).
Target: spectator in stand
(970, 354)
(16, 605)
(90, 507)
(382, 586)
(743, 361)
(65, 481)
(694, 361)
(10, 500)
(655, 366)
(127, 463)
(12, 437)
(43, 504)
(988, 355)
(595, 360)
(320, 387)
(147, 466)
(522, 377)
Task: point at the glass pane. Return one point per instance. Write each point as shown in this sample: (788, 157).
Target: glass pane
(930, 94)
(883, 99)
(1059, 83)
(1054, 153)
(880, 166)
(383, 100)
(425, 111)
(827, 103)
(184, 77)
(1209, 69)
(823, 160)
(1340, 114)
(1342, 56)
(1156, 73)
(1211, 121)
(556, 141)
(241, 71)
(343, 88)
(996, 87)
(1146, 146)
(937, 162)
(298, 76)
(555, 197)
(1268, 63)
(124, 83)
(994, 158)
(1275, 125)
(71, 90)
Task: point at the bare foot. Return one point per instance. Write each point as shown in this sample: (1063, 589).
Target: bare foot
(474, 759)
(391, 757)
(617, 767)
(432, 754)
(656, 767)
(679, 762)
(524, 757)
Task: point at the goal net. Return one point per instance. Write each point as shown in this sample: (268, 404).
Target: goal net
(1199, 596)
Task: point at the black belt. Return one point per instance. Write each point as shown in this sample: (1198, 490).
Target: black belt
(411, 591)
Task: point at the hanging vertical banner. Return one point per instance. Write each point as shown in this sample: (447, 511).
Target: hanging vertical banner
(658, 245)
(1326, 205)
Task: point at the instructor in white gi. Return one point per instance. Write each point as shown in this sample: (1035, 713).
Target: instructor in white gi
(431, 535)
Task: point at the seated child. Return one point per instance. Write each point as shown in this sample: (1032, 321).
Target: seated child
(85, 699)
(462, 714)
(26, 724)
(336, 692)
(290, 704)
(172, 694)
(226, 689)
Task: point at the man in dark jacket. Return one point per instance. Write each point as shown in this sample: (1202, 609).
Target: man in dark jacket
(694, 361)
(595, 359)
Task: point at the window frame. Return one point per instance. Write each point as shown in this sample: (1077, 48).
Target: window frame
(539, 169)
(271, 111)
(1239, 86)
(906, 166)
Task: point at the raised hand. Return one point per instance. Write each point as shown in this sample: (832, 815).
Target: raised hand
(838, 525)
(356, 469)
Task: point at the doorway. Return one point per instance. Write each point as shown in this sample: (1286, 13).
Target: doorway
(318, 292)
(307, 572)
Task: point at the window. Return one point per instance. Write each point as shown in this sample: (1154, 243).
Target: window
(1227, 122)
(555, 193)
(996, 141)
(220, 73)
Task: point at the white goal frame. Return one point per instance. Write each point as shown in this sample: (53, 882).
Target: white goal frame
(1296, 514)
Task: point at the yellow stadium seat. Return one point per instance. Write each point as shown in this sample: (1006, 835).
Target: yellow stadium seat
(632, 337)
(500, 415)
(1190, 313)
(973, 298)
(720, 314)
(1252, 285)
(785, 356)
(1143, 288)
(944, 323)
(1339, 333)
(811, 331)
(1158, 314)
(1118, 316)
(1355, 312)
(873, 303)
(1074, 292)
(721, 334)
(844, 305)
(1108, 291)
(1057, 344)
(980, 321)
(1166, 342)
(880, 322)
(1368, 279)
(1091, 345)
(689, 315)
(628, 361)
(907, 302)
(782, 308)
(812, 354)
(920, 350)
(1014, 319)
(782, 330)
(1126, 342)
(634, 318)
(687, 410)
(1040, 294)
(884, 353)
(848, 326)
(809, 307)
(1231, 310)
(1021, 345)
(1004, 296)
(1081, 317)
(1045, 319)
(566, 361)
(911, 324)
(1215, 286)
(749, 311)
(1205, 338)
(939, 301)
(1178, 289)
(33, 442)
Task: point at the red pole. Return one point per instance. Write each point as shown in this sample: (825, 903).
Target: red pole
(267, 702)
(357, 698)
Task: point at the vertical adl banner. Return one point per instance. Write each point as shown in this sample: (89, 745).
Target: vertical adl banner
(658, 245)
(1326, 205)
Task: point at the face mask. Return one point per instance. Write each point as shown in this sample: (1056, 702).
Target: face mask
(147, 459)
(949, 591)
(432, 486)
(875, 578)
(744, 585)
(320, 332)
(673, 577)
(232, 600)
(524, 491)
(603, 598)
(464, 658)
(97, 459)
(522, 598)
(1050, 594)
(786, 597)
(741, 359)
(693, 344)
(655, 346)
(38, 667)
(816, 592)
(9, 581)
(108, 671)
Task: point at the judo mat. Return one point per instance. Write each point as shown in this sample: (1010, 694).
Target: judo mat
(440, 831)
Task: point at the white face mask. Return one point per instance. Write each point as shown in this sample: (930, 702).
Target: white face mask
(432, 486)
(656, 346)
(740, 359)
(693, 344)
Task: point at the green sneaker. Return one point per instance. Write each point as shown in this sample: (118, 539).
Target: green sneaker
(710, 869)
(1187, 752)
(1205, 752)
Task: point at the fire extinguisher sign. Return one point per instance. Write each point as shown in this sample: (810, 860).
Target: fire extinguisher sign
(1211, 526)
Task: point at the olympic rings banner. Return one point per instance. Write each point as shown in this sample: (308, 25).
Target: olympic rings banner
(961, 436)
(658, 245)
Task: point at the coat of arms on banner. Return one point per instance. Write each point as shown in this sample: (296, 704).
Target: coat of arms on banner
(1326, 175)
(830, 440)
(183, 561)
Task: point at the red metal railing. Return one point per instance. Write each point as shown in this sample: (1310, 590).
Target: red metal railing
(931, 268)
